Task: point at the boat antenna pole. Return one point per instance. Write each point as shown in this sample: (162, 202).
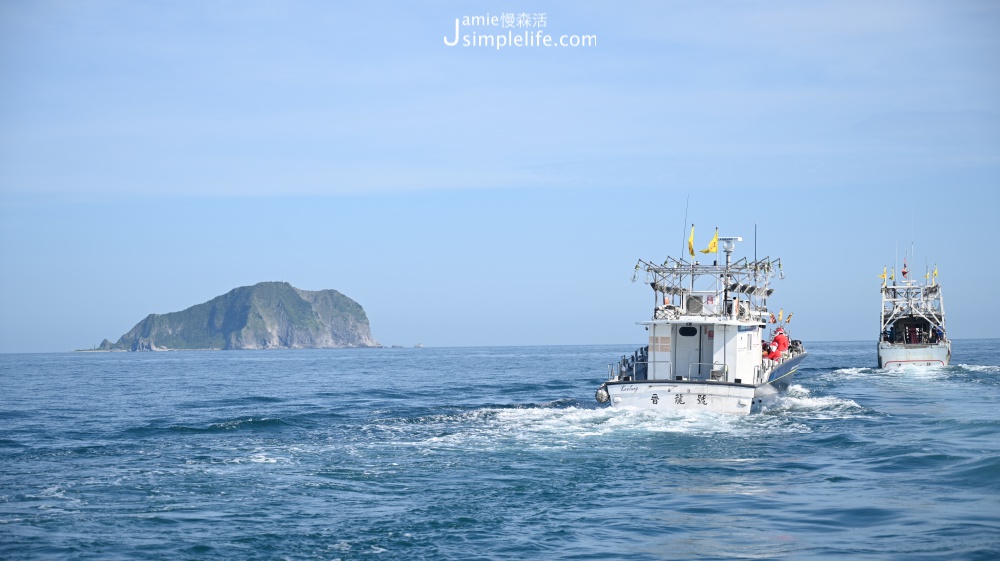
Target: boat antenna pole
(755, 270)
(684, 227)
(895, 261)
(692, 271)
(728, 248)
(728, 244)
(680, 279)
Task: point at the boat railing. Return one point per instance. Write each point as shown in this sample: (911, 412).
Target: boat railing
(641, 371)
(716, 372)
(763, 371)
(631, 372)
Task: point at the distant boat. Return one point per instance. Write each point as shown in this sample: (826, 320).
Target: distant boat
(913, 327)
(705, 339)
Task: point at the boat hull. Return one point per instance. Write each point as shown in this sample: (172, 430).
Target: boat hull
(719, 397)
(898, 355)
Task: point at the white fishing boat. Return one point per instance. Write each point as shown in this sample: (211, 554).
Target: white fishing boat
(707, 332)
(913, 328)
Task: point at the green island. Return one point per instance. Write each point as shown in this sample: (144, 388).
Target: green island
(267, 315)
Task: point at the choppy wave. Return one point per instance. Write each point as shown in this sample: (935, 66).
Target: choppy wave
(800, 402)
(980, 368)
(237, 424)
(854, 371)
(248, 423)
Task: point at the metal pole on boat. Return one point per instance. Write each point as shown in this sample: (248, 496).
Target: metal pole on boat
(691, 251)
(728, 244)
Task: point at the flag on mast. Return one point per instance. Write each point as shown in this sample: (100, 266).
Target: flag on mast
(905, 271)
(691, 242)
(713, 246)
(882, 276)
(780, 313)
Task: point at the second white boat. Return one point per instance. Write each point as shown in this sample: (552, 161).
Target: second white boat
(913, 326)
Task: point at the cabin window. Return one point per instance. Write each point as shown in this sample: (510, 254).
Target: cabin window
(659, 344)
(688, 331)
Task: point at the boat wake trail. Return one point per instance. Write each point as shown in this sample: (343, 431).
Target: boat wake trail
(539, 428)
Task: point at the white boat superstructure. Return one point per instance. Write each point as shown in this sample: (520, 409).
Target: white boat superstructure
(912, 323)
(706, 338)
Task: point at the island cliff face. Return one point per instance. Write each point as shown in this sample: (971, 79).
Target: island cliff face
(268, 315)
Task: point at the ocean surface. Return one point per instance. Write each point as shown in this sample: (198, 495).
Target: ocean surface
(488, 454)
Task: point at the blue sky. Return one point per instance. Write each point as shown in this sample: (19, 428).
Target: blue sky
(154, 155)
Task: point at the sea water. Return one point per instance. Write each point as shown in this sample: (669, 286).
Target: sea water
(488, 453)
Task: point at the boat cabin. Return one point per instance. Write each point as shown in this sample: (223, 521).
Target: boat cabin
(719, 351)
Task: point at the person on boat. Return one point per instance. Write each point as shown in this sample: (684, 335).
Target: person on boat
(780, 340)
(772, 353)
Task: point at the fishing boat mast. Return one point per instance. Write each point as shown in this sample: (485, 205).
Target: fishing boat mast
(728, 245)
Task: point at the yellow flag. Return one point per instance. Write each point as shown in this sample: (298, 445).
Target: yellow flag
(892, 277)
(691, 242)
(713, 246)
(780, 313)
(882, 276)
(934, 279)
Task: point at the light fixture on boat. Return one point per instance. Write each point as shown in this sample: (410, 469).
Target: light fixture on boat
(729, 244)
